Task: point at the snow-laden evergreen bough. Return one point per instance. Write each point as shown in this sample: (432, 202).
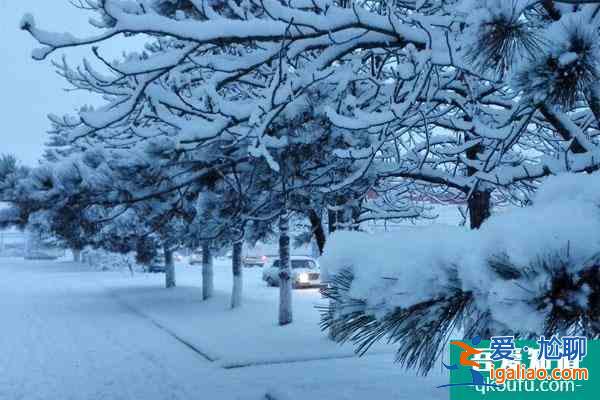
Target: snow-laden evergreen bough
(452, 99)
(455, 98)
(526, 272)
(470, 99)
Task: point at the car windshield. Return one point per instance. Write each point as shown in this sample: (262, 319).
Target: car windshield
(296, 264)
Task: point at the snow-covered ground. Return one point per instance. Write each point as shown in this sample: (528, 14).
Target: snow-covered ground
(72, 333)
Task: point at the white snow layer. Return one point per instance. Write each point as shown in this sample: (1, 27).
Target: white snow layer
(70, 332)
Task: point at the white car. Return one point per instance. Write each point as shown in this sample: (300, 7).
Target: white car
(196, 257)
(305, 272)
(254, 261)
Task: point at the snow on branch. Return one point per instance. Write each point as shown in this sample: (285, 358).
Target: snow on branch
(526, 272)
(53, 41)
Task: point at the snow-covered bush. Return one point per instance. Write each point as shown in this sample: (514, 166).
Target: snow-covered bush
(527, 271)
(106, 261)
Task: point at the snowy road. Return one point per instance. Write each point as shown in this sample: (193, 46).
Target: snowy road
(65, 336)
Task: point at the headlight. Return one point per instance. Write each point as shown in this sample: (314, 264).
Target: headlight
(303, 278)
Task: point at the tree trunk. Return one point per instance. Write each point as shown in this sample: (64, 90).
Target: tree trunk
(76, 255)
(285, 271)
(317, 229)
(331, 220)
(236, 264)
(479, 208)
(169, 268)
(336, 222)
(336, 215)
(355, 212)
(479, 203)
(207, 272)
(340, 219)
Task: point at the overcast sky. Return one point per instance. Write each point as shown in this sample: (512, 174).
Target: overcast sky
(31, 89)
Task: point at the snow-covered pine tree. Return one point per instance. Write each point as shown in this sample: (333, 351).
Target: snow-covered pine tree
(546, 54)
(230, 211)
(16, 207)
(428, 116)
(409, 77)
(57, 201)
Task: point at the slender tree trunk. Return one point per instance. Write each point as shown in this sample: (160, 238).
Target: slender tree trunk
(331, 220)
(355, 218)
(236, 264)
(340, 220)
(336, 215)
(479, 203)
(336, 219)
(317, 229)
(285, 272)
(207, 272)
(479, 208)
(76, 255)
(169, 268)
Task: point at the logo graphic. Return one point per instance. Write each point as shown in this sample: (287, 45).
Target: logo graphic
(546, 368)
(468, 351)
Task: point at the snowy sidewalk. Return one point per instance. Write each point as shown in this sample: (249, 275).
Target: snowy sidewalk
(69, 333)
(232, 338)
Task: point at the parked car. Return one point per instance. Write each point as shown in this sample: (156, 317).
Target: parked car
(254, 261)
(196, 257)
(157, 265)
(305, 272)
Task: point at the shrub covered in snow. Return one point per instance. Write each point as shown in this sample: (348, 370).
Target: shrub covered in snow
(107, 261)
(526, 272)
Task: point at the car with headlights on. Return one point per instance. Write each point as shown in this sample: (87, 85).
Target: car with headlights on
(305, 272)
